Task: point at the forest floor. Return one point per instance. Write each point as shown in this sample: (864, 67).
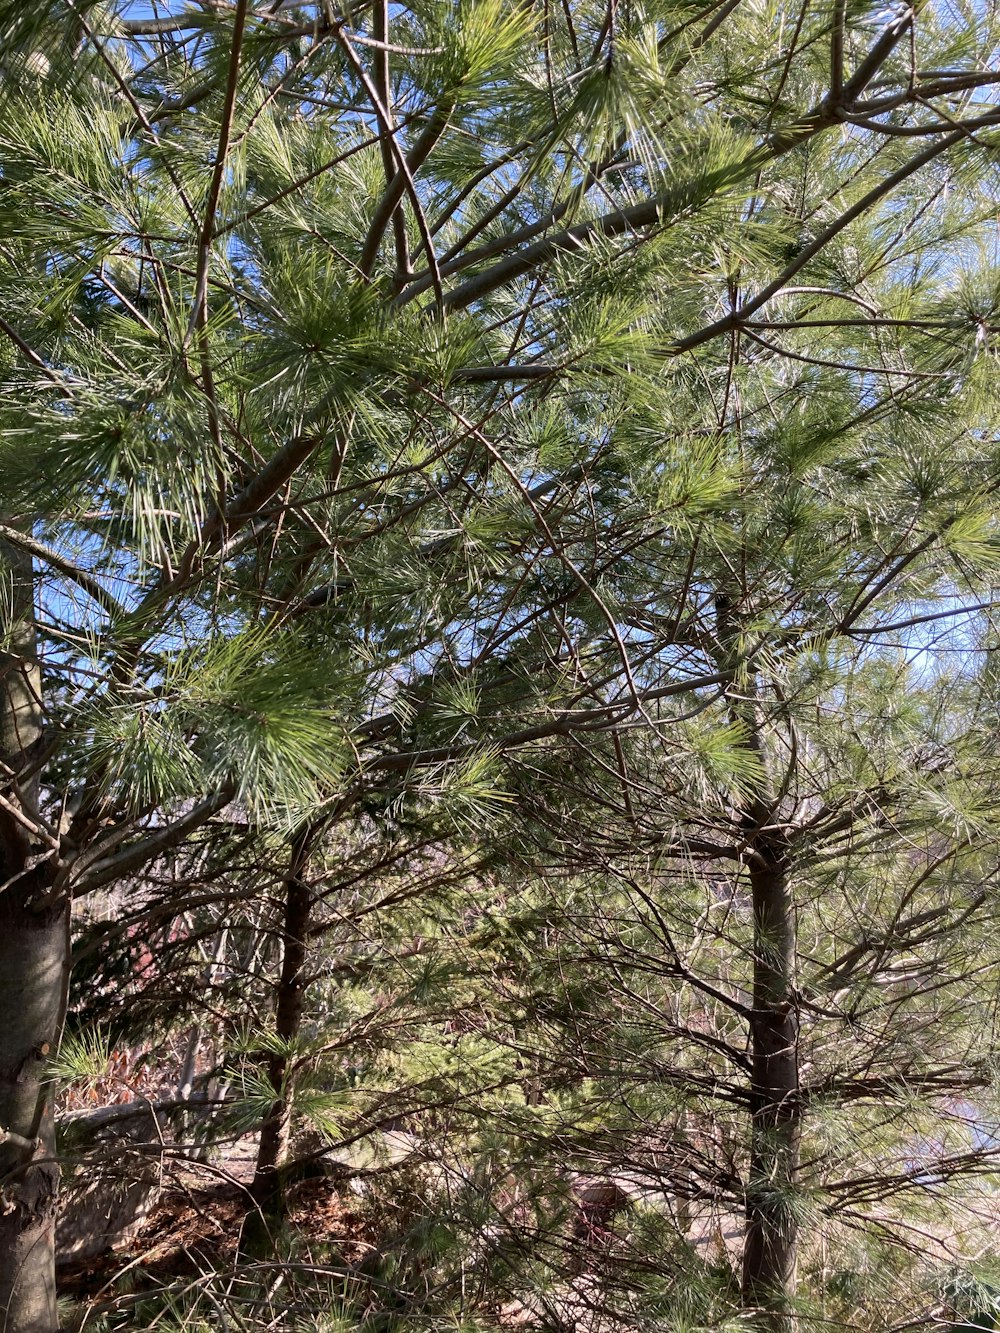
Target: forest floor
(194, 1229)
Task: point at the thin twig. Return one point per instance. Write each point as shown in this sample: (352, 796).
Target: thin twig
(215, 187)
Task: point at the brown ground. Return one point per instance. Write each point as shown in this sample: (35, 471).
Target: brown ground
(195, 1227)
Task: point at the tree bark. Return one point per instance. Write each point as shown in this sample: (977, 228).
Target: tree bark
(276, 1128)
(770, 1239)
(34, 975)
(769, 1251)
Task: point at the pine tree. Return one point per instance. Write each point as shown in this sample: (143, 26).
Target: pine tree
(363, 370)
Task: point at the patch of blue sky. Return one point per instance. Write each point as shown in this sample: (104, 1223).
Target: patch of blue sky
(947, 635)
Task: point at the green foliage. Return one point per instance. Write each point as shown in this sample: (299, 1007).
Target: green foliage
(521, 482)
(83, 1058)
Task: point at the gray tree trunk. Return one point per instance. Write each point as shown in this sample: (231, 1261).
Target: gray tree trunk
(770, 1240)
(769, 1251)
(34, 975)
(276, 1129)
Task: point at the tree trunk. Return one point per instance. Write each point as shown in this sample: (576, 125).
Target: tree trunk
(276, 1129)
(34, 975)
(770, 1246)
